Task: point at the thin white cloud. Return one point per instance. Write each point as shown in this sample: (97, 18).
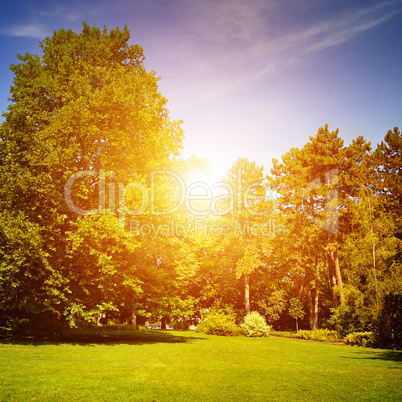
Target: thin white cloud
(339, 31)
(224, 45)
(289, 48)
(28, 30)
(67, 14)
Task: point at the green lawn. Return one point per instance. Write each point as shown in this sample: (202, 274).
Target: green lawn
(180, 366)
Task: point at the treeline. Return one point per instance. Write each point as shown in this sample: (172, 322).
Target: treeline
(100, 218)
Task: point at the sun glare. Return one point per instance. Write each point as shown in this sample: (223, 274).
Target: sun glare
(213, 175)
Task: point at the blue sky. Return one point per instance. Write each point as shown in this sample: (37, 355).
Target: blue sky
(248, 78)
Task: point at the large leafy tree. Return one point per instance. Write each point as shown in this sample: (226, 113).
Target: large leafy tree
(87, 104)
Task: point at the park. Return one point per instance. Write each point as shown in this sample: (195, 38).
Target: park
(112, 246)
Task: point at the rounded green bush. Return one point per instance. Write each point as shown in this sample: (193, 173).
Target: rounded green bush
(255, 325)
(217, 324)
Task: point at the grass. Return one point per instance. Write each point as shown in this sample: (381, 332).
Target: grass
(187, 366)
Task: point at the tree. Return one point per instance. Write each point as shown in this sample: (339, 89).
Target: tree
(307, 182)
(318, 183)
(387, 160)
(247, 188)
(86, 106)
(296, 310)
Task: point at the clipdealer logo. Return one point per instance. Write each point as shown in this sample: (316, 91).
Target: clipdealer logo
(222, 199)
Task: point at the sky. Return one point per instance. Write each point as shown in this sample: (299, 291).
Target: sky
(249, 79)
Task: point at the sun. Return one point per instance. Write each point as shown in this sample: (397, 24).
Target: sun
(212, 175)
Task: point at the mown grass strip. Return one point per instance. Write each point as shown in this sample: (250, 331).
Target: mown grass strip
(186, 366)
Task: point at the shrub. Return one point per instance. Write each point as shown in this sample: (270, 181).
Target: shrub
(238, 331)
(19, 325)
(285, 334)
(365, 339)
(217, 323)
(255, 325)
(345, 319)
(321, 335)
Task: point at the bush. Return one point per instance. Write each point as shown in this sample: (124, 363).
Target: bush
(238, 331)
(255, 325)
(19, 325)
(365, 339)
(285, 334)
(322, 335)
(217, 323)
(346, 320)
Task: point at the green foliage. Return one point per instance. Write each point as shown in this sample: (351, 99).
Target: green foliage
(217, 323)
(322, 335)
(296, 308)
(388, 328)
(345, 319)
(19, 325)
(365, 339)
(387, 163)
(273, 305)
(238, 331)
(255, 325)
(86, 103)
(285, 334)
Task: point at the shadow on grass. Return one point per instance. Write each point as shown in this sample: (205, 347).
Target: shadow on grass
(367, 354)
(103, 337)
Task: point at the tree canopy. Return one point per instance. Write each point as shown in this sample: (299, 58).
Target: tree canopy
(98, 215)
(87, 104)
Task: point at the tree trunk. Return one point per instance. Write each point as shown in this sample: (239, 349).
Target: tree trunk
(102, 319)
(297, 326)
(331, 280)
(313, 301)
(247, 293)
(56, 324)
(316, 306)
(338, 277)
(334, 296)
(134, 322)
